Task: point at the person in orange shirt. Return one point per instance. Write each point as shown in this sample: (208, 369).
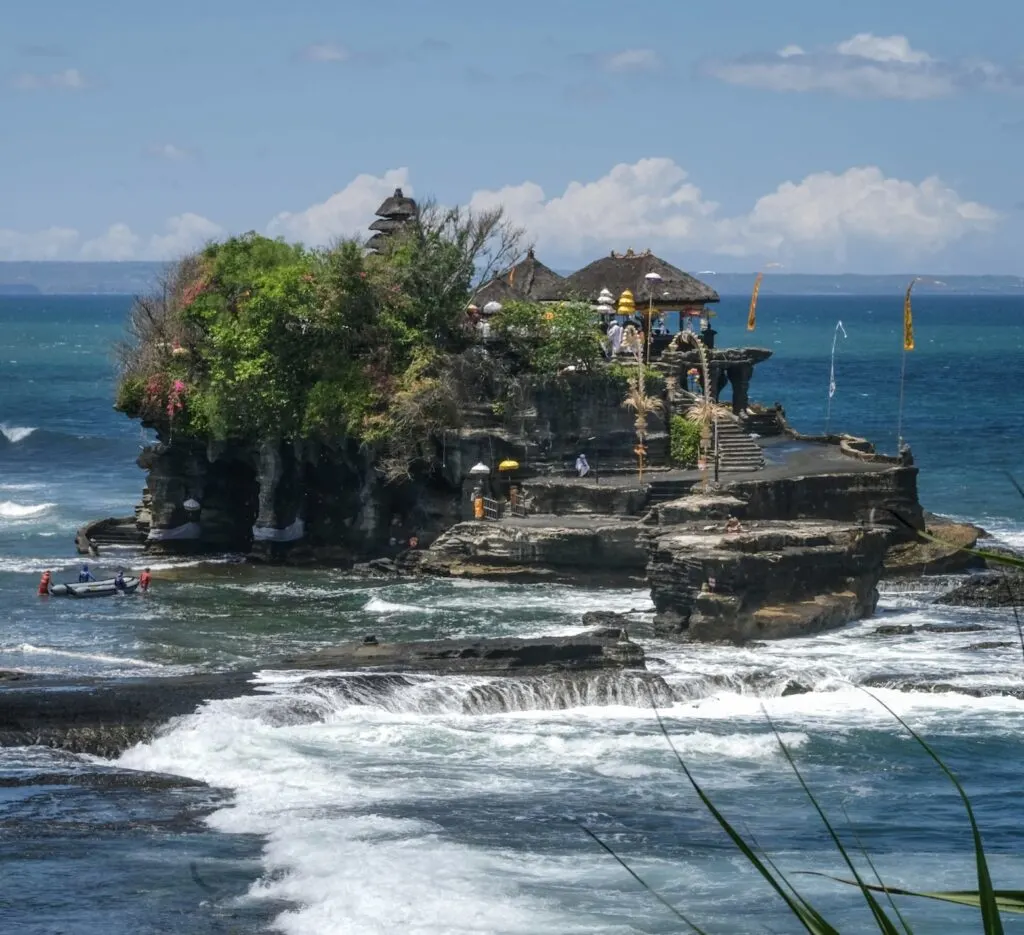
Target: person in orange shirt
(44, 583)
(144, 580)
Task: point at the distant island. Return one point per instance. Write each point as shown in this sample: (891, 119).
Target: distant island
(135, 278)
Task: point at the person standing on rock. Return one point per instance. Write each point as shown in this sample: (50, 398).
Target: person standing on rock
(582, 466)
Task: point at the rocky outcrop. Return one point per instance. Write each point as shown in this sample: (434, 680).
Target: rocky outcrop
(987, 589)
(943, 555)
(606, 648)
(603, 550)
(105, 717)
(769, 581)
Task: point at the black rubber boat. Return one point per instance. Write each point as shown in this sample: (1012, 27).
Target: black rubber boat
(104, 588)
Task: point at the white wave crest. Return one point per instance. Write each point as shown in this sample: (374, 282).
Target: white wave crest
(30, 649)
(15, 433)
(11, 510)
(376, 606)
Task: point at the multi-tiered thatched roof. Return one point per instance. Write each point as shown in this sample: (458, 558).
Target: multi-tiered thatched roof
(395, 212)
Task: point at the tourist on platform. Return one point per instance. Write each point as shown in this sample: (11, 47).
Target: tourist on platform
(733, 525)
(582, 466)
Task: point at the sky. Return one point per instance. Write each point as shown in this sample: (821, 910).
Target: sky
(727, 136)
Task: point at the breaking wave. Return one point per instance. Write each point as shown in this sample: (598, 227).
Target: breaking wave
(15, 433)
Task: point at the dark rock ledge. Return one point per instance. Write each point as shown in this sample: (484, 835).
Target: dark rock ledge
(105, 717)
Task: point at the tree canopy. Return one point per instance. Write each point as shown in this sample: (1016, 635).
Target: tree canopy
(254, 339)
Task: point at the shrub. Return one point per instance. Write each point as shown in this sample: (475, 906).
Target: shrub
(685, 442)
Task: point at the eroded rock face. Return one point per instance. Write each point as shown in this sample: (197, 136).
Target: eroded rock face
(769, 581)
(598, 549)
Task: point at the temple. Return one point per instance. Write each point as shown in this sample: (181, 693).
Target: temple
(393, 214)
(669, 306)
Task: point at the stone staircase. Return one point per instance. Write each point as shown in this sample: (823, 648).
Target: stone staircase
(664, 490)
(737, 451)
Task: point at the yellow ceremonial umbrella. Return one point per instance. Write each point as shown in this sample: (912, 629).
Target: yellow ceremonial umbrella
(508, 465)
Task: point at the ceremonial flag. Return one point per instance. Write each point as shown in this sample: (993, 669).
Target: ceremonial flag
(908, 321)
(752, 316)
(832, 369)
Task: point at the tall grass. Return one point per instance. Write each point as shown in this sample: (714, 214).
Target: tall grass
(881, 914)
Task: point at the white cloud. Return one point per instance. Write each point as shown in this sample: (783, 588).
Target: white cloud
(49, 244)
(651, 203)
(827, 212)
(859, 217)
(118, 243)
(865, 66)
(325, 52)
(70, 79)
(882, 49)
(632, 60)
(649, 200)
(346, 213)
(185, 232)
(168, 152)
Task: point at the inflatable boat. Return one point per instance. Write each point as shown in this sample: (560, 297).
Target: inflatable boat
(104, 588)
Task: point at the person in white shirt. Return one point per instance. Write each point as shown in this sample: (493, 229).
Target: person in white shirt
(582, 467)
(614, 337)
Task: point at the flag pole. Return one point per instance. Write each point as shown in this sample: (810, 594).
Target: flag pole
(908, 345)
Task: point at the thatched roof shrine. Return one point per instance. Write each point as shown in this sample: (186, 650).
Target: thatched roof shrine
(528, 280)
(622, 271)
(394, 213)
(398, 206)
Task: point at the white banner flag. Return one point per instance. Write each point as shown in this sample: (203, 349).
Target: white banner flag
(832, 367)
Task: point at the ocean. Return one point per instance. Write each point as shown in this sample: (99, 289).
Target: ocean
(456, 805)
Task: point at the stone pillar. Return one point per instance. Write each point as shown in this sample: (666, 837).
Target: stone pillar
(739, 377)
(279, 520)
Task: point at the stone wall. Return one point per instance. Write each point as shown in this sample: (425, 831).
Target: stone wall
(869, 497)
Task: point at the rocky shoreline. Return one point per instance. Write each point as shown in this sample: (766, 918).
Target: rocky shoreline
(106, 716)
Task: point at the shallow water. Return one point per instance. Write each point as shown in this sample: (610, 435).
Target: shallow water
(448, 806)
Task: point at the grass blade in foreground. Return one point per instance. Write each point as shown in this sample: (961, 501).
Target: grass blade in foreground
(1007, 900)
(809, 917)
(991, 921)
(661, 899)
(885, 924)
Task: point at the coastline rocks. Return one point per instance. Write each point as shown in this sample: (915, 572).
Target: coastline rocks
(607, 648)
(105, 717)
(945, 557)
(774, 581)
(986, 589)
(589, 549)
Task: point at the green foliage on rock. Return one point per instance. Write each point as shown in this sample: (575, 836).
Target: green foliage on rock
(685, 442)
(547, 338)
(254, 339)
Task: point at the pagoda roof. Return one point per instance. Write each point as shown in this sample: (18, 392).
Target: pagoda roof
(397, 206)
(528, 280)
(621, 271)
(387, 225)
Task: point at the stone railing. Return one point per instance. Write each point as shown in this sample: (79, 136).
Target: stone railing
(853, 446)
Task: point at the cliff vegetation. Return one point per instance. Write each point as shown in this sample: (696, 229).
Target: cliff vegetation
(253, 339)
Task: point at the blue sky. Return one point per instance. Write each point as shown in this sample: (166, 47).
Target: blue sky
(728, 135)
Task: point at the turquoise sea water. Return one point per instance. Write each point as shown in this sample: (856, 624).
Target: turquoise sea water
(454, 806)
